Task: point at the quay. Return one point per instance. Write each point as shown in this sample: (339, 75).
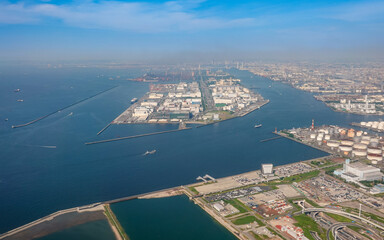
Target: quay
(61, 109)
(135, 136)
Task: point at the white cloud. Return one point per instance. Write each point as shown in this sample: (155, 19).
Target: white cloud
(134, 16)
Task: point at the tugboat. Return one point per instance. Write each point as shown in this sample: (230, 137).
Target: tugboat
(149, 152)
(258, 125)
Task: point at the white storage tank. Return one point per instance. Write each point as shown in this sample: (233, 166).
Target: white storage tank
(333, 144)
(374, 162)
(359, 133)
(366, 142)
(374, 140)
(345, 148)
(313, 136)
(374, 157)
(347, 142)
(374, 150)
(359, 146)
(327, 137)
(369, 124)
(363, 123)
(366, 137)
(359, 152)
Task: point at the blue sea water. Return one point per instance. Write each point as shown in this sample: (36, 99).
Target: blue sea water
(171, 218)
(36, 181)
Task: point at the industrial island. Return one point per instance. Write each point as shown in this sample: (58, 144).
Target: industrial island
(215, 97)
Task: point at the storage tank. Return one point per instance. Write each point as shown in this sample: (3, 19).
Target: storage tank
(375, 125)
(319, 138)
(369, 124)
(363, 123)
(333, 144)
(313, 136)
(366, 142)
(374, 157)
(359, 153)
(345, 148)
(366, 138)
(359, 146)
(374, 150)
(347, 142)
(359, 133)
(327, 137)
(374, 162)
(374, 140)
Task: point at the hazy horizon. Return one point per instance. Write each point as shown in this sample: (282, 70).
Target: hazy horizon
(190, 31)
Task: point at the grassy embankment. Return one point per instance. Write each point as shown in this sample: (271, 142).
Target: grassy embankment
(113, 221)
(308, 224)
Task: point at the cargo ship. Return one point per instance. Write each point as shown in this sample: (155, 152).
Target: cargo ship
(133, 100)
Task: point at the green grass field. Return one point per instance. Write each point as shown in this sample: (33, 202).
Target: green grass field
(244, 220)
(308, 224)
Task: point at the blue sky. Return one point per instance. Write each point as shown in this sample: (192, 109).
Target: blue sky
(142, 30)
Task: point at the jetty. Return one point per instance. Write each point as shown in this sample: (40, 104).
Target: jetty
(135, 136)
(61, 109)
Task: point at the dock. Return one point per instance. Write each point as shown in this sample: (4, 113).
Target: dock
(61, 109)
(135, 136)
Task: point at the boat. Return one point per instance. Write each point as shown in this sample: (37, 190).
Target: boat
(17, 90)
(258, 125)
(20, 100)
(70, 114)
(133, 100)
(6, 119)
(149, 152)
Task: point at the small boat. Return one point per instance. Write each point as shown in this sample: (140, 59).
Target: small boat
(270, 86)
(70, 114)
(17, 90)
(258, 125)
(149, 152)
(6, 119)
(20, 100)
(133, 100)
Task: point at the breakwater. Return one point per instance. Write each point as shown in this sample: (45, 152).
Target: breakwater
(135, 136)
(61, 109)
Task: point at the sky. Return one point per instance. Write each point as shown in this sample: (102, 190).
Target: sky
(40, 30)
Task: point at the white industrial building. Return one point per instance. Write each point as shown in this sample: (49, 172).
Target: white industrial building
(267, 169)
(360, 172)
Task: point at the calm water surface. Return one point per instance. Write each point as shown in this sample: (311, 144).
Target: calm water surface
(36, 180)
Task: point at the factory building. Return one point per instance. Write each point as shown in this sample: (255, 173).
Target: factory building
(267, 169)
(360, 172)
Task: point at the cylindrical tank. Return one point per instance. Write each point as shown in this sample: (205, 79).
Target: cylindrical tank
(347, 142)
(319, 138)
(366, 142)
(359, 146)
(345, 148)
(327, 137)
(313, 136)
(359, 152)
(359, 133)
(369, 124)
(374, 162)
(374, 157)
(363, 123)
(366, 138)
(374, 140)
(374, 150)
(333, 144)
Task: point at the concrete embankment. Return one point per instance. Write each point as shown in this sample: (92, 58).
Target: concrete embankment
(61, 109)
(136, 136)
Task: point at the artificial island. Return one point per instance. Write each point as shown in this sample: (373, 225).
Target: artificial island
(215, 97)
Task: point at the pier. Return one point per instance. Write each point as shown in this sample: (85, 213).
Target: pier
(105, 128)
(270, 139)
(135, 136)
(61, 109)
